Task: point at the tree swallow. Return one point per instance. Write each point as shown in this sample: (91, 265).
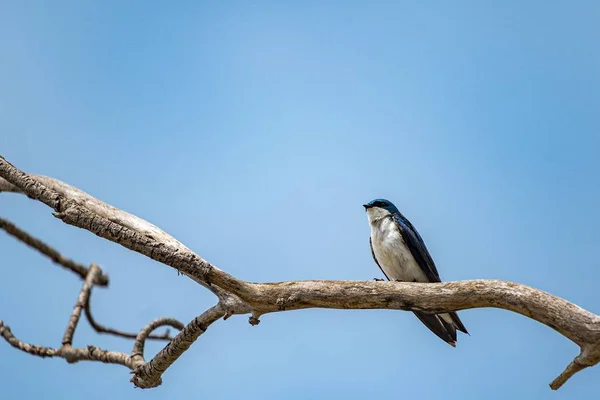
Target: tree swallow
(400, 253)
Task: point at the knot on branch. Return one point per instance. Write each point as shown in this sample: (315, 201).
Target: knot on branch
(142, 380)
(230, 303)
(67, 352)
(284, 302)
(590, 355)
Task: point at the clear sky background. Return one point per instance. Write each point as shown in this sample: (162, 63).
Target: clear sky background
(253, 132)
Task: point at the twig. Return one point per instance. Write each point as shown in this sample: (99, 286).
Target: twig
(571, 370)
(33, 349)
(149, 375)
(138, 346)
(48, 251)
(81, 301)
(584, 360)
(70, 354)
(127, 335)
(90, 353)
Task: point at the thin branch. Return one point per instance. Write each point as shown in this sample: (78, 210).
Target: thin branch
(149, 375)
(127, 335)
(571, 370)
(69, 353)
(585, 359)
(81, 301)
(48, 251)
(79, 209)
(75, 267)
(140, 340)
(91, 353)
(33, 349)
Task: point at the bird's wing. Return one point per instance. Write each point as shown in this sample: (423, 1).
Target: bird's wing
(375, 258)
(419, 251)
(417, 247)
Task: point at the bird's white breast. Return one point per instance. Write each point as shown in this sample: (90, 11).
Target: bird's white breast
(392, 254)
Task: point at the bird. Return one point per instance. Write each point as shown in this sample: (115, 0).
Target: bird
(401, 254)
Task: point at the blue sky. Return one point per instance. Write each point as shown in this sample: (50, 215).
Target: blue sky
(254, 131)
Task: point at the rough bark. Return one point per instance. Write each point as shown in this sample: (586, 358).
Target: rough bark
(236, 296)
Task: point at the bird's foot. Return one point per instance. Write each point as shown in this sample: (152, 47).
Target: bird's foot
(378, 280)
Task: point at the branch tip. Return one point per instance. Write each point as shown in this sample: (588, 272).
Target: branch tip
(589, 356)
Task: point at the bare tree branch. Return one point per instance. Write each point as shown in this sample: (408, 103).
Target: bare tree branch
(148, 375)
(70, 354)
(92, 353)
(48, 251)
(140, 339)
(81, 301)
(573, 368)
(102, 329)
(33, 349)
(79, 269)
(236, 296)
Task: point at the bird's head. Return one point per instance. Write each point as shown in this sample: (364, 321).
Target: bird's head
(380, 208)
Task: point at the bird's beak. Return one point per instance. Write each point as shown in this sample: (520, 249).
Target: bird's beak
(367, 206)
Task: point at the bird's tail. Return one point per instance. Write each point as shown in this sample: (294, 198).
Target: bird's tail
(443, 325)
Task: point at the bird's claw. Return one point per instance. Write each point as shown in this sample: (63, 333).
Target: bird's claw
(378, 280)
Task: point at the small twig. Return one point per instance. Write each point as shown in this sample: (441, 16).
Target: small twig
(69, 353)
(138, 346)
(48, 251)
(149, 375)
(36, 350)
(127, 335)
(588, 357)
(81, 301)
(573, 368)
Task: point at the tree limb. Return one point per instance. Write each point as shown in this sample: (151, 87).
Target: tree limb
(149, 375)
(77, 208)
(92, 353)
(48, 251)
